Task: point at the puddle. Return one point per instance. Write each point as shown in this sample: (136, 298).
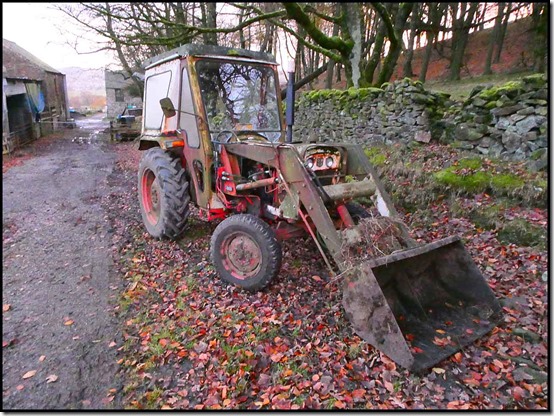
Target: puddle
(91, 131)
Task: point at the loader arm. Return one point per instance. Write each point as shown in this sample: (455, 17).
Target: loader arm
(286, 160)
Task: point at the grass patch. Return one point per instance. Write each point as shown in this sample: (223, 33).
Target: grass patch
(461, 89)
(415, 178)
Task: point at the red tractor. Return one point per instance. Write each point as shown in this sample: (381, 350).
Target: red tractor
(214, 136)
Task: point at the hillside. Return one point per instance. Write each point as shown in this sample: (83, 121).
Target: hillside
(516, 57)
(516, 54)
(85, 87)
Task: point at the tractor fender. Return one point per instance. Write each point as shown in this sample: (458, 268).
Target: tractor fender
(165, 142)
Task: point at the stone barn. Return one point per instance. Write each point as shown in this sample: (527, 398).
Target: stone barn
(34, 97)
(121, 93)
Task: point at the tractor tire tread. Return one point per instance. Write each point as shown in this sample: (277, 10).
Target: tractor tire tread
(175, 189)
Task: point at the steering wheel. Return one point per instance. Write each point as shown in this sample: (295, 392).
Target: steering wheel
(230, 135)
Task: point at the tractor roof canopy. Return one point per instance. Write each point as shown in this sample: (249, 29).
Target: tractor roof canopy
(207, 50)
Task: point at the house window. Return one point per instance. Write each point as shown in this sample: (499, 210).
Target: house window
(119, 95)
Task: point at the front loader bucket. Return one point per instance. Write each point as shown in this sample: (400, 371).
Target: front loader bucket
(420, 305)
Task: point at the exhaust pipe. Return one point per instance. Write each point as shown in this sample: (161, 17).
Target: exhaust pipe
(289, 100)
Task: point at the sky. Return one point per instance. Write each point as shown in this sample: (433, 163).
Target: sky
(45, 32)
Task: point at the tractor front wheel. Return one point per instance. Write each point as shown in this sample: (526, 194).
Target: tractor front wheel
(245, 252)
(163, 194)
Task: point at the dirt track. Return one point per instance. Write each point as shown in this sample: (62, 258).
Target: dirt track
(58, 279)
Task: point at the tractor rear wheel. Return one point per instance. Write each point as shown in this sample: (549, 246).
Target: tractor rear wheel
(163, 194)
(245, 252)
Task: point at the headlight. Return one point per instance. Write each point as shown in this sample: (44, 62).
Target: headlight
(310, 163)
(329, 162)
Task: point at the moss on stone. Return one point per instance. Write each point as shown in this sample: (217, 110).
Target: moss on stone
(522, 233)
(536, 155)
(537, 80)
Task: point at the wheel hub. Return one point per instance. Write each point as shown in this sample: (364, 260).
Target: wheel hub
(242, 255)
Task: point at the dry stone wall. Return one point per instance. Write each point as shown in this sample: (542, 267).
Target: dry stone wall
(506, 122)
(510, 121)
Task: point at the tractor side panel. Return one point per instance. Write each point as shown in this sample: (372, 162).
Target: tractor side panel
(197, 150)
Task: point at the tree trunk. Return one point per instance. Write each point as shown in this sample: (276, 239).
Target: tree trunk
(493, 39)
(540, 50)
(459, 38)
(502, 34)
(395, 45)
(407, 69)
(432, 38)
(369, 71)
(209, 18)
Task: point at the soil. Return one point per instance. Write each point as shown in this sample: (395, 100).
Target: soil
(60, 334)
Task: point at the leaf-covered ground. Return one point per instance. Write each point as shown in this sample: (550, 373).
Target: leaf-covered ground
(194, 342)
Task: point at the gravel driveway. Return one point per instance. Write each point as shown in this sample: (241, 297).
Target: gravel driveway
(60, 335)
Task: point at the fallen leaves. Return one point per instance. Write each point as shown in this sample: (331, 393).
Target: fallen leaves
(6, 307)
(291, 347)
(29, 374)
(51, 378)
(68, 322)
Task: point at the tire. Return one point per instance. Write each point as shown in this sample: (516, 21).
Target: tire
(163, 194)
(245, 252)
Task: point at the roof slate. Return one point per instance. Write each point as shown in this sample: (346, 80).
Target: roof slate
(18, 53)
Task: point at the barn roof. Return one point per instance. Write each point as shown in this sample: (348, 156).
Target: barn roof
(16, 59)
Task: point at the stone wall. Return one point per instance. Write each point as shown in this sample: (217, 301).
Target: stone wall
(507, 122)
(399, 112)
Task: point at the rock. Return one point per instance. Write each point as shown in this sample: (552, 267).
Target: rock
(503, 123)
(422, 120)
(511, 140)
(506, 111)
(531, 136)
(541, 111)
(478, 102)
(544, 277)
(476, 90)
(422, 98)
(423, 136)
(485, 141)
(495, 149)
(482, 118)
(541, 94)
(526, 111)
(530, 374)
(464, 133)
(482, 150)
(532, 146)
(514, 118)
(494, 132)
(536, 102)
(520, 153)
(406, 119)
(527, 335)
(540, 164)
(528, 123)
